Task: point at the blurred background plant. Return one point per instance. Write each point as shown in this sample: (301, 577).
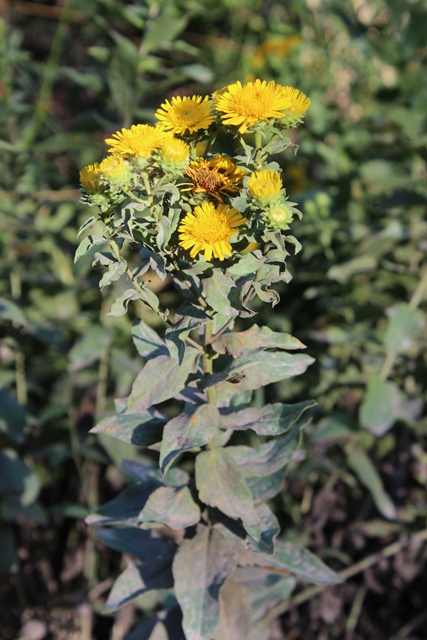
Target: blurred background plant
(71, 74)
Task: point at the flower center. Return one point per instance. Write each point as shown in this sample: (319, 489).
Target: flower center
(213, 230)
(208, 180)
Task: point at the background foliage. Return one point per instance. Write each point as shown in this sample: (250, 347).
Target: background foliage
(72, 74)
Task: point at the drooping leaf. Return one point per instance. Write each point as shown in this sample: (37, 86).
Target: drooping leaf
(269, 420)
(115, 270)
(365, 470)
(138, 579)
(263, 368)
(403, 328)
(173, 507)
(221, 484)
(201, 566)
(141, 429)
(246, 343)
(147, 342)
(187, 431)
(380, 407)
(141, 543)
(120, 306)
(160, 379)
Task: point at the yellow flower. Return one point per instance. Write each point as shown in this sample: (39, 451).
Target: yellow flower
(185, 115)
(209, 229)
(138, 141)
(265, 186)
(90, 178)
(116, 171)
(216, 176)
(244, 106)
(174, 155)
(299, 102)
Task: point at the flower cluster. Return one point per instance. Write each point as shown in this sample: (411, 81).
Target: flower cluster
(205, 205)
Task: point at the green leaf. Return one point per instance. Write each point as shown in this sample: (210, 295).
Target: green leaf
(270, 420)
(173, 507)
(87, 244)
(160, 379)
(126, 507)
(344, 272)
(147, 342)
(263, 368)
(12, 417)
(200, 568)
(216, 289)
(10, 311)
(380, 407)
(17, 478)
(140, 543)
(264, 293)
(114, 271)
(264, 589)
(267, 458)
(188, 431)
(221, 484)
(188, 316)
(365, 470)
(88, 349)
(141, 429)
(8, 550)
(291, 559)
(266, 487)
(233, 530)
(247, 266)
(135, 580)
(121, 304)
(404, 327)
(254, 340)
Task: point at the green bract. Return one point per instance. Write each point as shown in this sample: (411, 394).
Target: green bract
(221, 247)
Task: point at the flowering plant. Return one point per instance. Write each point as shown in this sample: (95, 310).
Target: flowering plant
(216, 225)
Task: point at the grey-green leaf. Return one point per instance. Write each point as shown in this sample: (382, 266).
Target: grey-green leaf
(141, 429)
(269, 420)
(404, 326)
(188, 431)
(364, 468)
(380, 407)
(173, 507)
(201, 566)
(221, 484)
(147, 342)
(245, 343)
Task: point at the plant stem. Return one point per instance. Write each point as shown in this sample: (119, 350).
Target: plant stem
(207, 361)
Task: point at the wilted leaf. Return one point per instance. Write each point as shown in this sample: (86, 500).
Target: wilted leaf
(221, 484)
(200, 568)
(255, 339)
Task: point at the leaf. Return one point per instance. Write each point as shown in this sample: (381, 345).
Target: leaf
(88, 349)
(188, 431)
(188, 316)
(140, 543)
(138, 579)
(266, 487)
(403, 328)
(291, 558)
(10, 311)
(17, 478)
(216, 289)
(114, 271)
(121, 304)
(12, 417)
(126, 507)
(173, 507)
(370, 478)
(233, 530)
(267, 458)
(160, 379)
(235, 619)
(246, 266)
(87, 244)
(147, 342)
(8, 554)
(141, 429)
(344, 272)
(264, 589)
(270, 296)
(253, 340)
(380, 407)
(221, 484)
(200, 567)
(263, 368)
(270, 420)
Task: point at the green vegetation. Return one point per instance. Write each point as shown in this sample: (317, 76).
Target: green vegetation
(355, 494)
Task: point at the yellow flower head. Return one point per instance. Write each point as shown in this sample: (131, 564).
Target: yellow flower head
(299, 102)
(209, 229)
(139, 141)
(90, 178)
(116, 171)
(265, 186)
(216, 176)
(174, 155)
(244, 106)
(280, 216)
(186, 115)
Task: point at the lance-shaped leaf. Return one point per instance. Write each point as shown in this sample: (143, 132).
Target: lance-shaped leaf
(289, 558)
(160, 379)
(151, 473)
(142, 429)
(267, 458)
(270, 420)
(245, 343)
(188, 431)
(188, 316)
(233, 530)
(147, 342)
(173, 507)
(140, 543)
(221, 484)
(135, 580)
(124, 509)
(216, 290)
(200, 568)
(263, 368)
(368, 475)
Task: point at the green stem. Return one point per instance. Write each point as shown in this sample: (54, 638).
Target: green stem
(258, 140)
(132, 196)
(207, 361)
